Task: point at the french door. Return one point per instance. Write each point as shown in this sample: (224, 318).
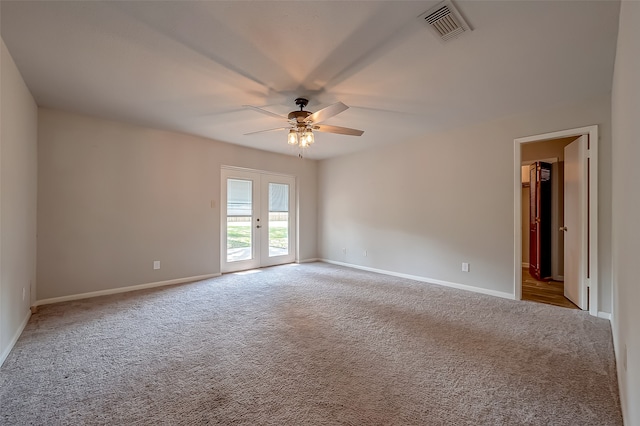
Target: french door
(258, 219)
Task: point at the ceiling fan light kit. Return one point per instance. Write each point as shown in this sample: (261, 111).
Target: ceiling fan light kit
(293, 137)
(302, 123)
(302, 134)
(307, 138)
(301, 138)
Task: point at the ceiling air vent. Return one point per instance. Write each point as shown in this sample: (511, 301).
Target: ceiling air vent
(445, 21)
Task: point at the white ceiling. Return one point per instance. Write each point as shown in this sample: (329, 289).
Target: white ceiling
(190, 66)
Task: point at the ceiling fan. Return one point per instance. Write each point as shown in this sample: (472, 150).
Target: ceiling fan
(301, 124)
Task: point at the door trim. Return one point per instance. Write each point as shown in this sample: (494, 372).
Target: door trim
(589, 258)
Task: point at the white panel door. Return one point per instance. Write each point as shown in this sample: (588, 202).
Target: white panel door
(258, 220)
(575, 222)
(240, 220)
(277, 240)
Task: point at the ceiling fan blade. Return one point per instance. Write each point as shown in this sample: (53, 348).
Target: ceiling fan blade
(264, 111)
(268, 130)
(326, 113)
(339, 130)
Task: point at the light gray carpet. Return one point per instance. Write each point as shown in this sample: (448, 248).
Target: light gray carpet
(311, 344)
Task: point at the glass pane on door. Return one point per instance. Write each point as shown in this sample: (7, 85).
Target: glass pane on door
(278, 219)
(239, 219)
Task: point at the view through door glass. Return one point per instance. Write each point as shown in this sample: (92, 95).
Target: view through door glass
(239, 219)
(278, 219)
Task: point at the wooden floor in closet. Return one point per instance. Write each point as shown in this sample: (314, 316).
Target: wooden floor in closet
(549, 292)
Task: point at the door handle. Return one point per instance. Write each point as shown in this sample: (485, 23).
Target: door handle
(258, 226)
(563, 228)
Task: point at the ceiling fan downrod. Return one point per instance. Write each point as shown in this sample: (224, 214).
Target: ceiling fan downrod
(302, 103)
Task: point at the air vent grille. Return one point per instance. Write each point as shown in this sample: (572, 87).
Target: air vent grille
(445, 21)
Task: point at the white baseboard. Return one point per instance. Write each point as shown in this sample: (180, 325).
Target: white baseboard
(314, 259)
(14, 339)
(426, 280)
(605, 315)
(525, 265)
(123, 289)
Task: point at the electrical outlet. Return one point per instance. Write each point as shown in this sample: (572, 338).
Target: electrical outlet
(365, 253)
(344, 250)
(24, 293)
(465, 267)
(156, 264)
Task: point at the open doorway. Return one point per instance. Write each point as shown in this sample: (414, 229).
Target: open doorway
(575, 204)
(542, 221)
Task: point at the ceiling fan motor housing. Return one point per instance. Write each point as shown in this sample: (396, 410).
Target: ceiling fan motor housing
(298, 116)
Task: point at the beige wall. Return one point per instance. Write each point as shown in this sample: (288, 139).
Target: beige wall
(18, 196)
(626, 210)
(424, 207)
(115, 197)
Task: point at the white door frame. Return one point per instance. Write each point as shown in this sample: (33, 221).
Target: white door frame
(590, 258)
